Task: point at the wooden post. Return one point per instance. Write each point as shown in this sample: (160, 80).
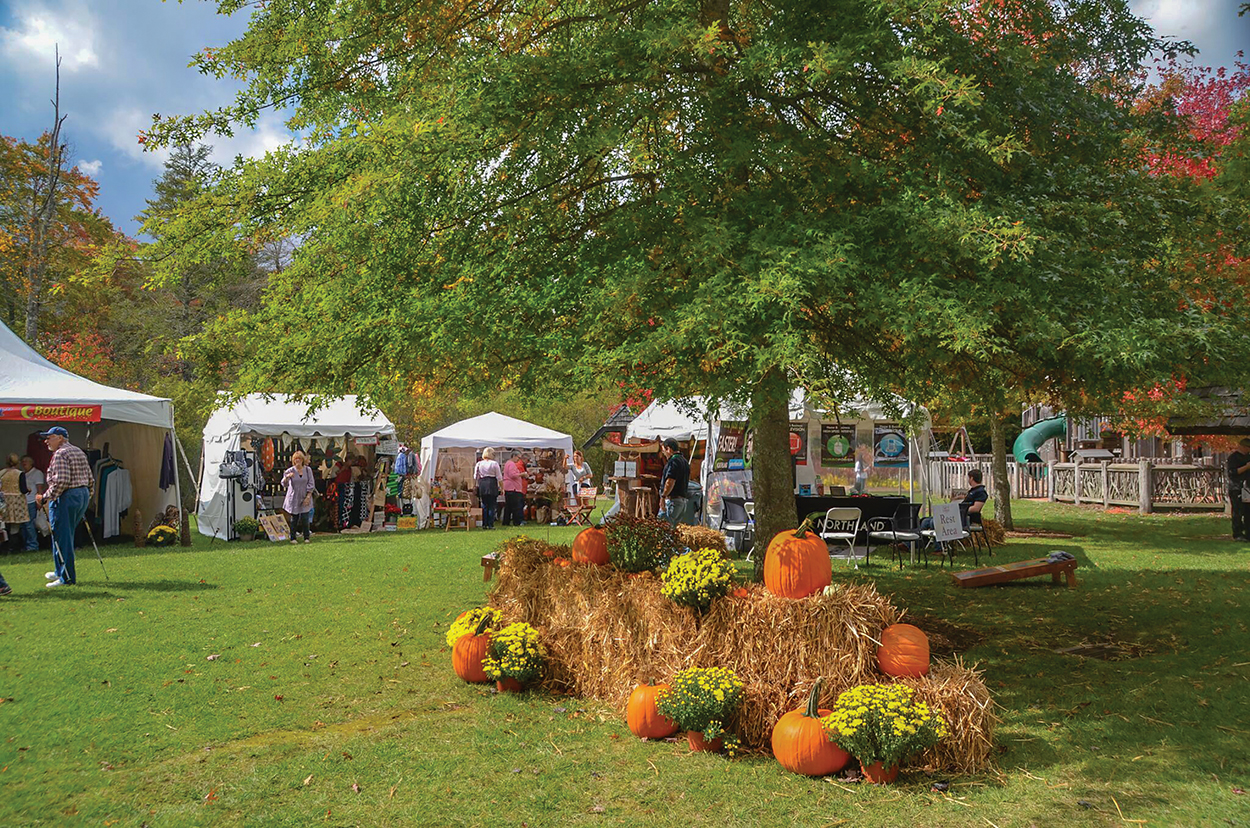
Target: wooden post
(1076, 483)
(1106, 499)
(1050, 481)
(1145, 487)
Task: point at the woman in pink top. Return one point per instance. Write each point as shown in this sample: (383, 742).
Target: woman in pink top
(513, 491)
(488, 476)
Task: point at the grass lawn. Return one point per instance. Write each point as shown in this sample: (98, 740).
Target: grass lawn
(329, 698)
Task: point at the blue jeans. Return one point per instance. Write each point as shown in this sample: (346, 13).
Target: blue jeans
(673, 510)
(65, 513)
(489, 504)
(29, 534)
(300, 522)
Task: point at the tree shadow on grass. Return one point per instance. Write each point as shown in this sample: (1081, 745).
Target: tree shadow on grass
(113, 589)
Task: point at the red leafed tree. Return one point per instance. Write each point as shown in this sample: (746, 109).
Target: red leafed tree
(86, 353)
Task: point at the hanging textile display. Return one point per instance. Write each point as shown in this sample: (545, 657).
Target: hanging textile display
(267, 454)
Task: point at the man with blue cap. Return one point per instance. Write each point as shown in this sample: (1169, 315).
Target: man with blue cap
(69, 491)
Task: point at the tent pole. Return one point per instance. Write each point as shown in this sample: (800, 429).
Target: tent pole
(187, 463)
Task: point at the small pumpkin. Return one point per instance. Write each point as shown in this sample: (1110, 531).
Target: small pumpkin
(641, 715)
(797, 563)
(467, 655)
(591, 547)
(904, 651)
(801, 744)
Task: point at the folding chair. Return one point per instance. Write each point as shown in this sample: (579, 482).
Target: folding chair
(842, 526)
(734, 519)
(902, 528)
(574, 513)
(947, 552)
(977, 530)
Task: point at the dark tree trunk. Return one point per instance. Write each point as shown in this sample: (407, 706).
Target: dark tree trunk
(771, 472)
(1002, 485)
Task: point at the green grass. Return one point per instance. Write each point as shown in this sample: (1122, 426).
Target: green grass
(332, 673)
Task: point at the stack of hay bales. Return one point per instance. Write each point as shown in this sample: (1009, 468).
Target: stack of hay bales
(606, 630)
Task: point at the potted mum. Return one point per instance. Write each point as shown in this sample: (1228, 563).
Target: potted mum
(698, 578)
(701, 700)
(246, 528)
(881, 725)
(162, 535)
(516, 657)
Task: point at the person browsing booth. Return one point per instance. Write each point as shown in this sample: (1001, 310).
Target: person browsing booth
(673, 484)
(69, 491)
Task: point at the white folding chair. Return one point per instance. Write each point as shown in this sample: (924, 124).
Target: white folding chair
(842, 526)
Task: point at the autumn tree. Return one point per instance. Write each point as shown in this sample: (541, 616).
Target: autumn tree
(724, 198)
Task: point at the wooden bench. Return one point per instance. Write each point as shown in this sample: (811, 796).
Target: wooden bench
(1015, 571)
(489, 562)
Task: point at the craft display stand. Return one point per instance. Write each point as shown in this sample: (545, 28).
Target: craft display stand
(456, 514)
(1016, 571)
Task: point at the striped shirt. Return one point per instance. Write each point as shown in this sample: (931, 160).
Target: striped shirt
(69, 469)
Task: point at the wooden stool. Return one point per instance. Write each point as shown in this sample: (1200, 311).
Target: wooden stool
(643, 504)
(489, 562)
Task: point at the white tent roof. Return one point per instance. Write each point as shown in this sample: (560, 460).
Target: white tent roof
(266, 414)
(26, 377)
(495, 429)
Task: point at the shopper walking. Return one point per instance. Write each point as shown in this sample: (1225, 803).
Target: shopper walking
(488, 477)
(14, 513)
(69, 491)
(300, 487)
(34, 480)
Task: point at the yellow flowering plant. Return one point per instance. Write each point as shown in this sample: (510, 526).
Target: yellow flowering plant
(698, 578)
(162, 535)
(515, 652)
(702, 699)
(883, 723)
(467, 623)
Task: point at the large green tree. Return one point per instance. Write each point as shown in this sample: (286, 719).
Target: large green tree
(726, 198)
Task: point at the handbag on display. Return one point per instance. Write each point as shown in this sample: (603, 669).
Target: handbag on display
(1245, 492)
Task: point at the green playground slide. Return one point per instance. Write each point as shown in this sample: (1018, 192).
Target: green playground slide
(1031, 439)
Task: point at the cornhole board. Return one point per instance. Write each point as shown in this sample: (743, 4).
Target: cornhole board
(1016, 571)
(489, 562)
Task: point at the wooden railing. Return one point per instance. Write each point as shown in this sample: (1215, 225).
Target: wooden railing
(1146, 485)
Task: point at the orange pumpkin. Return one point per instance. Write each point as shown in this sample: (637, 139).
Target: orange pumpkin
(904, 651)
(641, 715)
(801, 744)
(797, 564)
(467, 655)
(591, 547)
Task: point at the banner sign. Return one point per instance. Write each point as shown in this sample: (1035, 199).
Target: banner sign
(798, 443)
(370, 440)
(837, 444)
(730, 447)
(889, 445)
(43, 412)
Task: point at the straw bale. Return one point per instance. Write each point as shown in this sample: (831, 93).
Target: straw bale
(994, 532)
(702, 537)
(605, 630)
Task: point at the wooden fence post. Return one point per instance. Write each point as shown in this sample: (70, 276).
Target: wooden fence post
(1076, 483)
(1145, 487)
(1050, 481)
(1106, 498)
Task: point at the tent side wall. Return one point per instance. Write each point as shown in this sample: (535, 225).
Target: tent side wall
(211, 508)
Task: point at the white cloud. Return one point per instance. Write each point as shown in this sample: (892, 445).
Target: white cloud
(41, 29)
(91, 168)
(122, 127)
(1189, 19)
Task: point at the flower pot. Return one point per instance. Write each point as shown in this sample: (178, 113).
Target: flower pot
(509, 685)
(247, 537)
(878, 775)
(696, 741)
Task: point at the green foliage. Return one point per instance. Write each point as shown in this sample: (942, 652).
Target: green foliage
(883, 723)
(697, 578)
(640, 544)
(702, 699)
(246, 526)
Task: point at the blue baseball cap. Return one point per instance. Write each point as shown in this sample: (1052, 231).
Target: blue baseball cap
(57, 430)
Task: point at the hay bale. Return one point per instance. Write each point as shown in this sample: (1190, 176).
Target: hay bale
(994, 532)
(605, 630)
(702, 537)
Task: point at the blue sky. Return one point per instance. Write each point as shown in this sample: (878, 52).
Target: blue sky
(126, 59)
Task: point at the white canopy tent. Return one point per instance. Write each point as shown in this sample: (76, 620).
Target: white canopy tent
(271, 416)
(35, 394)
(490, 430)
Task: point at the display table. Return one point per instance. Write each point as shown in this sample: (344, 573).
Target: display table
(869, 507)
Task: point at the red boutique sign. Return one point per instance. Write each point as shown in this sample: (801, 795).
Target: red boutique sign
(43, 412)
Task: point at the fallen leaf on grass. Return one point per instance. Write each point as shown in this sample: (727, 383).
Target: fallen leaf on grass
(1238, 791)
(394, 787)
(111, 629)
(355, 787)
(596, 809)
(277, 697)
(257, 644)
(211, 796)
(308, 778)
(213, 657)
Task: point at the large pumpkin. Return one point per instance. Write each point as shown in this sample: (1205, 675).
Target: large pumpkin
(797, 564)
(643, 718)
(904, 651)
(591, 547)
(467, 654)
(801, 744)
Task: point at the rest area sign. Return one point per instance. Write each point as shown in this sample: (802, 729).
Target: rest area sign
(947, 525)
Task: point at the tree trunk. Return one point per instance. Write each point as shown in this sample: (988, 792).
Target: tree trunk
(1002, 485)
(771, 473)
(44, 212)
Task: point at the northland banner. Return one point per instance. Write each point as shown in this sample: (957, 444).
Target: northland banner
(43, 412)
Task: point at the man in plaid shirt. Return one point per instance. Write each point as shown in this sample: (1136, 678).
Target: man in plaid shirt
(70, 483)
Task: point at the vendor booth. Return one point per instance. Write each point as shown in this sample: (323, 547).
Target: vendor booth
(448, 457)
(248, 445)
(128, 437)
